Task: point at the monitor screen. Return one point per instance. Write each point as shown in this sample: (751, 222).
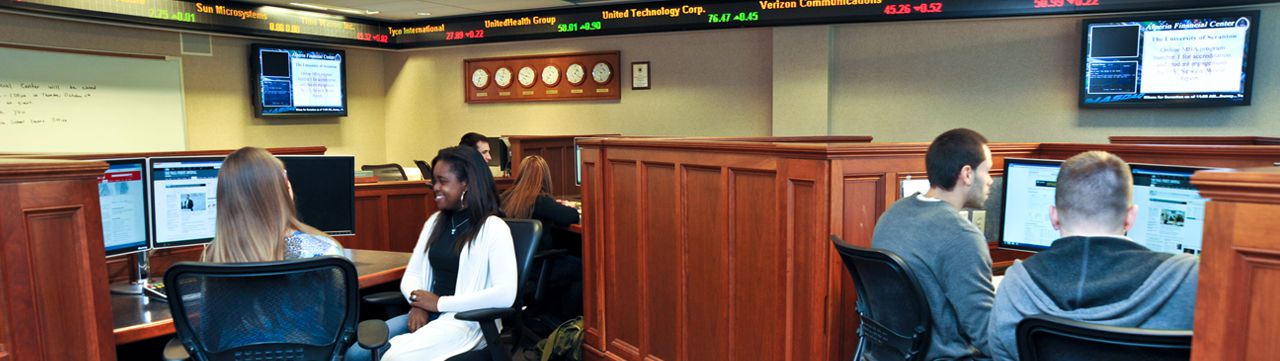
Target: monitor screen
(1027, 193)
(184, 199)
(909, 186)
(122, 195)
(499, 154)
(324, 191)
(1170, 210)
(295, 81)
(1169, 60)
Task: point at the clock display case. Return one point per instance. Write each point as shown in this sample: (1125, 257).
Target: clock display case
(545, 77)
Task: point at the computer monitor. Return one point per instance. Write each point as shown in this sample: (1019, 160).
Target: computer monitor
(1170, 210)
(577, 162)
(122, 195)
(1028, 191)
(184, 200)
(324, 191)
(499, 154)
(909, 186)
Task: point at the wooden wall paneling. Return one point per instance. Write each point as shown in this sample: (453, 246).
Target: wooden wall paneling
(1239, 277)
(370, 223)
(593, 255)
(663, 270)
(624, 298)
(406, 215)
(1203, 140)
(390, 215)
(706, 263)
(806, 222)
(758, 282)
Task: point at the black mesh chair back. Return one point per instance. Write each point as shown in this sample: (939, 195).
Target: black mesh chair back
(1050, 338)
(894, 315)
(386, 172)
(289, 310)
(424, 168)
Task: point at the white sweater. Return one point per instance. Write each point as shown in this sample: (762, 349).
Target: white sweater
(486, 279)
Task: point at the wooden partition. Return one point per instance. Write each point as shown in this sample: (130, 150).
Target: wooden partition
(390, 215)
(1196, 140)
(701, 249)
(1236, 316)
(54, 303)
(559, 152)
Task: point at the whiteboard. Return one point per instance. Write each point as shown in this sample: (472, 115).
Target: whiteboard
(63, 102)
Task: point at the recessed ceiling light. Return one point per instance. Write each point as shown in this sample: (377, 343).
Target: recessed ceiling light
(309, 6)
(424, 13)
(372, 12)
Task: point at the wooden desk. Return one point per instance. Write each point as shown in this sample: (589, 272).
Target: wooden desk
(137, 318)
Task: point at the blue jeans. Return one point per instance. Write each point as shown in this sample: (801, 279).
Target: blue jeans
(396, 326)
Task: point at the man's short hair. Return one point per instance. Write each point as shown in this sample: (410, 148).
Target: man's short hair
(1094, 187)
(950, 152)
(470, 139)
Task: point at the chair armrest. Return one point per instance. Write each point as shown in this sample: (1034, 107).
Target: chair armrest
(485, 314)
(549, 253)
(384, 298)
(174, 351)
(372, 334)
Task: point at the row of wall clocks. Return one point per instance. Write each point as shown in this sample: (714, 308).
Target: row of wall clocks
(548, 77)
(601, 74)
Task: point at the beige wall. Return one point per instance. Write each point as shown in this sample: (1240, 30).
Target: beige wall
(1013, 80)
(704, 83)
(217, 92)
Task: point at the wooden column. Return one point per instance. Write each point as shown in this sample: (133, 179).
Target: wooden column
(1236, 315)
(54, 303)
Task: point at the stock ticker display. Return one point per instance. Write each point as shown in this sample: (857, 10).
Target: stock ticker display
(655, 16)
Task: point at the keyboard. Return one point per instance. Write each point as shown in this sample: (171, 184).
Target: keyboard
(155, 289)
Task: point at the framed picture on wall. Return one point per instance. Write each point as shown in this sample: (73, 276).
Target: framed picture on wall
(640, 75)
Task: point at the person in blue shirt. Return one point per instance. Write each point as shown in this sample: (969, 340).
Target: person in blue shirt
(256, 219)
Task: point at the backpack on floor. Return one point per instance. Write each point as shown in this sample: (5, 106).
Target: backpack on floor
(565, 343)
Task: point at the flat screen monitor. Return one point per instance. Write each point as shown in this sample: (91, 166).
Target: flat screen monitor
(1027, 193)
(298, 81)
(324, 191)
(1169, 60)
(122, 195)
(910, 186)
(577, 162)
(499, 154)
(1170, 210)
(184, 200)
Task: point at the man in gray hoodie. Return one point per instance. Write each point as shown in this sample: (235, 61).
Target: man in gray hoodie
(1094, 273)
(947, 253)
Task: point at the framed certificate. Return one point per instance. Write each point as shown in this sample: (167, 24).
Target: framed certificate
(640, 75)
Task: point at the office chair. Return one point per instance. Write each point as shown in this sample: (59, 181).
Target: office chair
(299, 309)
(1050, 338)
(525, 234)
(386, 172)
(894, 314)
(424, 168)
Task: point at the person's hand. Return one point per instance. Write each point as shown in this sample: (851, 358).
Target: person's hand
(417, 318)
(425, 300)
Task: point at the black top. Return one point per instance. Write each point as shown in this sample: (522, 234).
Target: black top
(444, 257)
(547, 210)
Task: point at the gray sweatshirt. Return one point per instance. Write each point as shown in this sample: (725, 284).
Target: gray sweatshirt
(949, 257)
(1104, 280)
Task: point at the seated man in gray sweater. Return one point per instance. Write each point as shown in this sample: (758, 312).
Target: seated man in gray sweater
(947, 253)
(1094, 273)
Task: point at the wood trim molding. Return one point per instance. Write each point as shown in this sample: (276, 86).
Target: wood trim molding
(1202, 140)
(22, 170)
(311, 150)
(1253, 185)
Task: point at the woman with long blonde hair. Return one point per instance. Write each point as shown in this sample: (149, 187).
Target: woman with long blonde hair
(531, 198)
(256, 220)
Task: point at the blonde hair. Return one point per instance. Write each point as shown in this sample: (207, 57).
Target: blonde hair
(255, 210)
(1094, 187)
(534, 180)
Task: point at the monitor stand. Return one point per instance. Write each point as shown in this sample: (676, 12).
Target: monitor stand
(141, 274)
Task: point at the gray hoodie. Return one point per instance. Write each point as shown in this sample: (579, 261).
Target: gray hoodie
(1104, 280)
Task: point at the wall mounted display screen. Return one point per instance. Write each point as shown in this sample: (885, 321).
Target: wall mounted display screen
(122, 196)
(1172, 60)
(184, 199)
(293, 81)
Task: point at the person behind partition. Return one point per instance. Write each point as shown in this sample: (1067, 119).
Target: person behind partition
(479, 142)
(531, 198)
(256, 218)
(464, 260)
(947, 253)
(1094, 273)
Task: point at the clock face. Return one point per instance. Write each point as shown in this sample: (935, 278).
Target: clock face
(550, 75)
(601, 73)
(527, 76)
(480, 78)
(502, 77)
(574, 73)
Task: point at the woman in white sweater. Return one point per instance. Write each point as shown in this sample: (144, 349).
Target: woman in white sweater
(464, 260)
